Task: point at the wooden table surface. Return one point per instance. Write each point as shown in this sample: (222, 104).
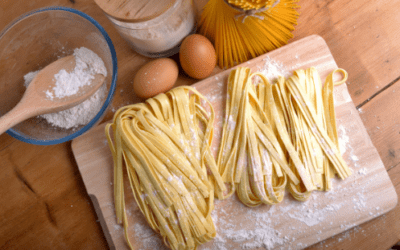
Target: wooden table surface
(44, 204)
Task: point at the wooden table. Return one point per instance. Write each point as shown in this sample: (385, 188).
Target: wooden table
(44, 204)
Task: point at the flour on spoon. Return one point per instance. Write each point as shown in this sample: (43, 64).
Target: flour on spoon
(88, 64)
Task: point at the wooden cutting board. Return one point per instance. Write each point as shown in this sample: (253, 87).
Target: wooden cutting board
(366, 194)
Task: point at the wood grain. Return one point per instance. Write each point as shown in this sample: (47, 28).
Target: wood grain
(38, 204)
(363, 37)
(361, 197)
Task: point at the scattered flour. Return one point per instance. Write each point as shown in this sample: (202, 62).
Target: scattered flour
(148, 237)
(257, 231)
(311, 213)
(344, 145)
(272, 69)
(360, 201)
(362, 171)
(118, 227)
(264, 236)
(343, 139)
(87, 65)
(215, 93)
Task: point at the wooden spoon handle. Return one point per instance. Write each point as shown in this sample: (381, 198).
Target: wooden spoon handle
(19, 113)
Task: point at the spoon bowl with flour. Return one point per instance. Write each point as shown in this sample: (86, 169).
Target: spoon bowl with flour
(56, 87)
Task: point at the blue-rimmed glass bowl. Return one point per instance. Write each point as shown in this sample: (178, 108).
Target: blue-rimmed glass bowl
(36, 39)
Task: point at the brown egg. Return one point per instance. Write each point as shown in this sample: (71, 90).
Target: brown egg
(197, 56)
(155, 77)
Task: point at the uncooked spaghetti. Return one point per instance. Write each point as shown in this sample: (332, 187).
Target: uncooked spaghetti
(239, 34)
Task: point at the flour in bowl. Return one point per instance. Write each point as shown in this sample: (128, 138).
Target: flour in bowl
(88, 64)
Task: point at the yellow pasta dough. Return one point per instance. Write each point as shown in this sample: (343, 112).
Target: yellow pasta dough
(164, 144)
(275, 135)
(279, 133)
(251, 159)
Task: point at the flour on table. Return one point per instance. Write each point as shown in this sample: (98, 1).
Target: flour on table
(354, 158)
(87, 65)
(343, 139)
(314, 216)
(362, 171)
(272, 69)
(148, 237)
(261, 234)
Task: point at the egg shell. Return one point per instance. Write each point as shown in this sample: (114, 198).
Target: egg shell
(155, 77)
(197, 56)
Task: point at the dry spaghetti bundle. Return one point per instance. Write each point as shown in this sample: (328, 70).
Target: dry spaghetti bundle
(164, 144)
(279, 132)
(241, 30)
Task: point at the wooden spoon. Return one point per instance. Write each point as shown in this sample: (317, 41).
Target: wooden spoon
(34, 102)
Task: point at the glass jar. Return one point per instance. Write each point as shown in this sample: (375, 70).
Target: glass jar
(160, 35)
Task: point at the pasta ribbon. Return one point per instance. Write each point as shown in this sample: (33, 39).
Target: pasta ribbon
(274, 135)
(164, 145)
(278, 134)
(251, 160)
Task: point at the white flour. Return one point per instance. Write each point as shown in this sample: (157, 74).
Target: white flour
(272, 69)
(87, 65)
(29, 77)
(148, 237)
(343, 139)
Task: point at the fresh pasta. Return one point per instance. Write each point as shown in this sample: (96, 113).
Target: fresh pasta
(278, 133)
(275, 135)
(308, 110)
(164, 144)
(251, 159)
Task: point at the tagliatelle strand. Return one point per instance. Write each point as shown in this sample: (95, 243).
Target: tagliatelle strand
(250, 159)
(328, 146)
(171, 171)
(292, 118)
(274, 135)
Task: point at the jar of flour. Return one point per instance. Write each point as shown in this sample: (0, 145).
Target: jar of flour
(154, 28)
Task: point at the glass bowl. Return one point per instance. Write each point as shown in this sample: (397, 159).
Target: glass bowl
(36, 39)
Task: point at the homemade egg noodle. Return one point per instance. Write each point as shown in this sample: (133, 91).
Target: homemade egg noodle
(278, 133)
(275, 135)
(164, 144)
(250, 159)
